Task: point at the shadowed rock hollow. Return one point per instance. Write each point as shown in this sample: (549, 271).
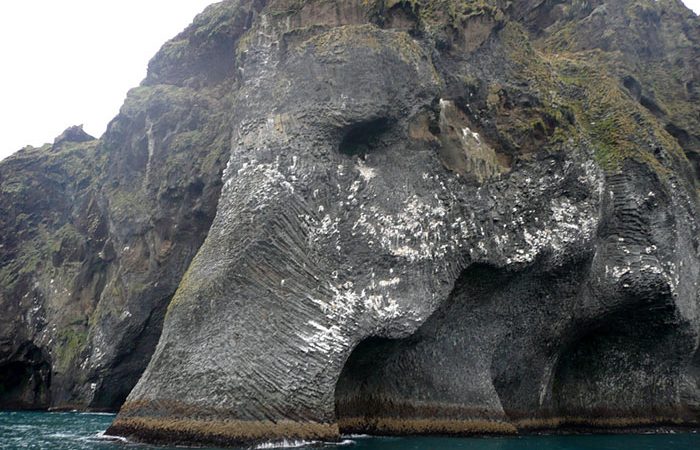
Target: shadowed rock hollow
(438, 216)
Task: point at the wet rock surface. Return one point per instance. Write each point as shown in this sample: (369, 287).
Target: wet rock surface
(435, 217)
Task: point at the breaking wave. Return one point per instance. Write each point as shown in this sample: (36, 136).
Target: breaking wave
(300, 443)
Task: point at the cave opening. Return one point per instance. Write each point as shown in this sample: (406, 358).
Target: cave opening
(429, 382)
(25, 383)
(455, 372)
(623, 368)
(358, 392)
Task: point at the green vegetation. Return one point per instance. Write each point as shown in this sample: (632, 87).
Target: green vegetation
(71, 342)
(581, 97)
(618, 126)
(637, 42)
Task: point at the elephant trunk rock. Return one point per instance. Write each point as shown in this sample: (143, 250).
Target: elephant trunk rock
(392, 217)
(393, 253)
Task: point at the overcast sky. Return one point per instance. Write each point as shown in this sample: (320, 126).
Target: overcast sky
(71, 62)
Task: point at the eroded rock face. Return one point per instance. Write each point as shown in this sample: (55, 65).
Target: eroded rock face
(429, 226)
(437, 217)
(96, 234)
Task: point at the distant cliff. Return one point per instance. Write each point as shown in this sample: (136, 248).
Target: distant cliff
(389, 217)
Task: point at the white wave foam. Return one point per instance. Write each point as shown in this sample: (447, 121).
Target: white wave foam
(299, 443)
(101, 436)
(62, 436)
(284, 443)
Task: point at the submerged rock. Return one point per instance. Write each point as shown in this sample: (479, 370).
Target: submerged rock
(442, 216)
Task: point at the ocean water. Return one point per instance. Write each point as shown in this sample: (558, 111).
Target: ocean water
(76, 431)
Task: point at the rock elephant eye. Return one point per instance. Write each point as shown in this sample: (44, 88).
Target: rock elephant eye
(362, 138)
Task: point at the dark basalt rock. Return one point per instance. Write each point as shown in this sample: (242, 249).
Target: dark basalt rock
(96, 235)
(71, 134)
(447, 217)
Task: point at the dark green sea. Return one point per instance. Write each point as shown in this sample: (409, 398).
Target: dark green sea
(76, 431)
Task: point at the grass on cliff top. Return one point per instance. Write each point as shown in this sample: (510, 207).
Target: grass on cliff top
(333, 43)
(429, 12)
(619, 127)
(653, 41)
(616, 125)
(456, 11)
(73, 167)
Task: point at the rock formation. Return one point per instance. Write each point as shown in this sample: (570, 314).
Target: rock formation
(436, 216)
(96, 235)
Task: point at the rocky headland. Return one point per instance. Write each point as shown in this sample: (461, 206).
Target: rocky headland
(318, 217)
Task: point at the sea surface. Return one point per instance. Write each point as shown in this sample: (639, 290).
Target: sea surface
(77, 431)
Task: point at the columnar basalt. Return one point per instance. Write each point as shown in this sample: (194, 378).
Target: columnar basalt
(427, 231)
(450, 217)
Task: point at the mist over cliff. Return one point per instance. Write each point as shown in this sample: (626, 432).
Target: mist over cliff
(395, 217)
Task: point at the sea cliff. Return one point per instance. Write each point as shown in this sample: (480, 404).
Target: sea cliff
(396, 217)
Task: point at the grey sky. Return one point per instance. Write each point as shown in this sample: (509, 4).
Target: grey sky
(71, 62)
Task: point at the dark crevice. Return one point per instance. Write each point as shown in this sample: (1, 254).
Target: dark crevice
(651, 105)
(387, 384)
(128, 366)
(355, 394)
(362, 138)
(636, 347)
(633, 86)
(690, 145)
(683, 137)
(402, 16)
(25, 382)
